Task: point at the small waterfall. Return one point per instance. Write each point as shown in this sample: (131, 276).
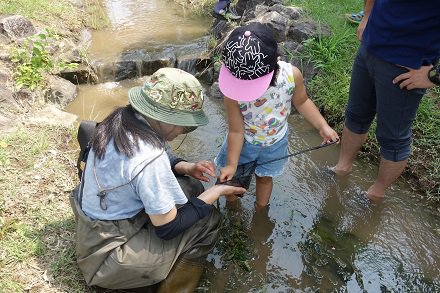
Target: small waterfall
(188, 65)
(105, 71)
(139, 65)
(140, 62)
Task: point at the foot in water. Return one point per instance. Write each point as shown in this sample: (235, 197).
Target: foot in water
(334, 171)
(375, 195)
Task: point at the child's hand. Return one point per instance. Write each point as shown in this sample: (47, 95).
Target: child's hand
(227, 172)
(328, 134)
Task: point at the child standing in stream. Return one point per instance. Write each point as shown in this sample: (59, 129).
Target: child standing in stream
(259, 92)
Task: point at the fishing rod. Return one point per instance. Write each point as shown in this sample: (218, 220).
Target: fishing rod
(244, 173)
(323, 145)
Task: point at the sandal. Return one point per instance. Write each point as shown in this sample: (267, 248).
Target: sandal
(355, 17)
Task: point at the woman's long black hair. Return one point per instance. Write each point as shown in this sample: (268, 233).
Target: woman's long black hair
(126, 130)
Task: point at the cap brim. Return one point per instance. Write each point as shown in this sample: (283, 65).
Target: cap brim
(156, 111)
(240, 89)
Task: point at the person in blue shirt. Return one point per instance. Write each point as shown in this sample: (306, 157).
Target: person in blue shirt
(396, 62)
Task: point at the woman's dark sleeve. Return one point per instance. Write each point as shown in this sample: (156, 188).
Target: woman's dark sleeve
(187, 215)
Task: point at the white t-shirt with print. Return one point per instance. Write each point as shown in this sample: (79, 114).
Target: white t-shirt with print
(265, 119)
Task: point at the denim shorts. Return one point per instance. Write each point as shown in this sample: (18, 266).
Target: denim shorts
(261, 154)
(373, 94)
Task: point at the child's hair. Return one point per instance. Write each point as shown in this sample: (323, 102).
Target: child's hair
(273, 82)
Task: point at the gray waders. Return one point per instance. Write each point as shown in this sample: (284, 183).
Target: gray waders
(126, 254)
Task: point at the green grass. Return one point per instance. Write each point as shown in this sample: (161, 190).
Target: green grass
(20, 242)
(56, 13)
(96, 15)
(198, 7)
(333, 56)
(52, 13)
(40, 10)
(36, 222)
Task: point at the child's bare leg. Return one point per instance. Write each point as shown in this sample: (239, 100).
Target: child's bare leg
(264, 190)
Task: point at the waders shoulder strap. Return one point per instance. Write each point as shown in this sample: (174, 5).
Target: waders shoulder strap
(85, 132)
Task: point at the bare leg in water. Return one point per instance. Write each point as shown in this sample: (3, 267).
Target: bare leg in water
(389, 171)
(350, 145)
(263, 190)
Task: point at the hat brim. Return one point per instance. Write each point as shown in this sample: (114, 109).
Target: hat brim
(156, 111)
(240, 89)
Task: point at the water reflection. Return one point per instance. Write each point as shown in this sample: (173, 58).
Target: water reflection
(95, 102)
(144, 25)
(261, 228)
(331, 245)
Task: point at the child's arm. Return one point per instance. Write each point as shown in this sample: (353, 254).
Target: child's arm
(235, 138)
(308, 110)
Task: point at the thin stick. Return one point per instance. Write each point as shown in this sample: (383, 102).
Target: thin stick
(300, 152)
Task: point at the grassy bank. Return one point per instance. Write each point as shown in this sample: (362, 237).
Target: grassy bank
(334, 57)
(37, 173)
(61, 16)
(199, 7)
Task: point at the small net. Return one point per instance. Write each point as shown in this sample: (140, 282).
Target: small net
(243, 175)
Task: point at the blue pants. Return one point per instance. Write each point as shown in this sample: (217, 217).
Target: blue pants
(372, 93)
(221, 4)
(251, 152)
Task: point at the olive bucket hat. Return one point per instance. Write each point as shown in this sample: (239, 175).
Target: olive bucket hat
(172, 96)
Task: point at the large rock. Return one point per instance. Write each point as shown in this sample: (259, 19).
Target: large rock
(277, 22)
(300, 31)
(7, 123)
(9, 110)
(60, 91)
(5, 73)
(82, 74)
(214, 91)
(7, 100)
(51, 115)
(291, 12)
(16, 27)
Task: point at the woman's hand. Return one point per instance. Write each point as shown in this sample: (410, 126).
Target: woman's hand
(227, 172)
(213, 193)
(200, 169)
(197, 170)
(328, 134)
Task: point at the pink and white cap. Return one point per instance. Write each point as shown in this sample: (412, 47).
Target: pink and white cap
(249, 59)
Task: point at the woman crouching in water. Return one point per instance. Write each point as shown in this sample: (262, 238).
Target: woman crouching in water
(140, 219)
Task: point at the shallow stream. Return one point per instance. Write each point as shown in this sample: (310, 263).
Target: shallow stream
(320, 234)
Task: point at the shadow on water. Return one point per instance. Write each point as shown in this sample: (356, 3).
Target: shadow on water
(320, 234)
